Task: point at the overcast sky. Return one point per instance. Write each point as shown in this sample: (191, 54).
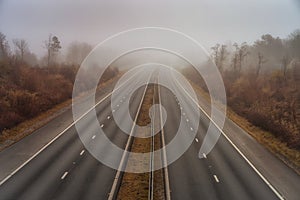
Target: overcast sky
(208, 21)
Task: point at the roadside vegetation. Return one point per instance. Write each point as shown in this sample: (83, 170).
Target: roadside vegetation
(262, 83)
(30, 86)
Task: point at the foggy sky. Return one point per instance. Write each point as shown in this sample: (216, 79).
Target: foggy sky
(208, 21)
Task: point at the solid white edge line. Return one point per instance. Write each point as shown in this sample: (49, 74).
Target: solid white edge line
(235, 147)
(64, 175)
(167, 181)
(151, 158)
(61, 133)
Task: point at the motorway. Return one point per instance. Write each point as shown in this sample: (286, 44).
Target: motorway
(64, 169)
(223, 174)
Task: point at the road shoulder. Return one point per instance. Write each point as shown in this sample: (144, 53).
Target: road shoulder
(41, 134)
(278, 173)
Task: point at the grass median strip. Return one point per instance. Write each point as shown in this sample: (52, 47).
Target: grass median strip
(136, 185)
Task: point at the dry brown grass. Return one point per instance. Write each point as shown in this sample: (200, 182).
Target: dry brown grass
(136, 185)
(10, 136)
(159, 189)
(288, 155)
(13, 135)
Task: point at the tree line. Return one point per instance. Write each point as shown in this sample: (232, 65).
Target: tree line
(30, 86)
(262, 83)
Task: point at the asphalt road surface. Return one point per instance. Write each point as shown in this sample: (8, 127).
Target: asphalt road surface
(223, 174)
(64, 169)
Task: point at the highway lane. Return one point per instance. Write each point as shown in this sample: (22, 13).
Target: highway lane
(281, 176)
(223, 174)
(283, 179)
(65, 170)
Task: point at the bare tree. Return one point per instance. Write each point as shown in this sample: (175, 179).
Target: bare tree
(4, 48)
(242, 53)
(294, 43)
(21, 45)
(235, 59)
(47, 46)
(219, 54)
(52, 45)
(238, 57)
(285, 62)
(222, 55)
(215, 53)
(261, 61)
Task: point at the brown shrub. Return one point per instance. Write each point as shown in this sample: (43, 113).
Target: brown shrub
(29, 92)
(268, 101)
(9, 119)
(265, 122)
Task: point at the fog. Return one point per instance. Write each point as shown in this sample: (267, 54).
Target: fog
(149, 56)
(209, 22)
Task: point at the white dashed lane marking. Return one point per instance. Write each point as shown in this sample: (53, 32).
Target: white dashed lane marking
(82, 152)
(64, 175)
(216, 178)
